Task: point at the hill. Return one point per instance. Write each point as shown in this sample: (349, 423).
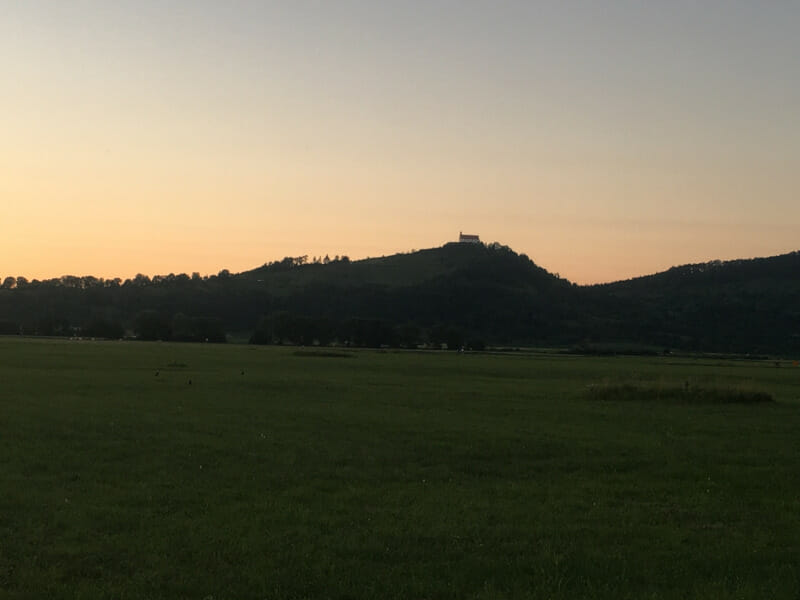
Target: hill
(488, 292)
(398, 270)
(746, 305)
(448, 293)
(456, 294)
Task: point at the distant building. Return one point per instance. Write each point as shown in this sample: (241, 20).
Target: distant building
(464, 238)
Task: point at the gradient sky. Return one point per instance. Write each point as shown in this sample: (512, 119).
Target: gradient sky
(603, 139)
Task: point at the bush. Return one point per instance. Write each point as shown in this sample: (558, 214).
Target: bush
(476, 345)
(103, 328)
(197, 329)
(9, 328)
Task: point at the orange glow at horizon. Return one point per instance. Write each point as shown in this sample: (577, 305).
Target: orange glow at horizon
(141, 138)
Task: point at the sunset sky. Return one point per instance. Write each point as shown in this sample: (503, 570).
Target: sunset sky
(603, 139)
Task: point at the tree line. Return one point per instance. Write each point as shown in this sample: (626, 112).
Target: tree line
(286, 328)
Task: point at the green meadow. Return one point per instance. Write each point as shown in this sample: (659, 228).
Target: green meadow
(299, 473)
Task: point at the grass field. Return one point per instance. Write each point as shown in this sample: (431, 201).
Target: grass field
(279, 474)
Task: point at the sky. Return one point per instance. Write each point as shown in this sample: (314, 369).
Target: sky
(605, 140)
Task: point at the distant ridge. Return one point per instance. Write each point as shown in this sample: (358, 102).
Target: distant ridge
(781, 266)
(743, 305)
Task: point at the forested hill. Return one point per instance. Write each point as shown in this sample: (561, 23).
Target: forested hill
(748, 305)
(782, 270)
(488, 264)
(456, 294)
(456, 291)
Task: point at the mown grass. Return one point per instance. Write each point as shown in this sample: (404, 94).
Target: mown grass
(396, 475)
(323, 354)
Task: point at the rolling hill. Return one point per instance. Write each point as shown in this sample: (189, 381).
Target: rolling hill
(746, 305)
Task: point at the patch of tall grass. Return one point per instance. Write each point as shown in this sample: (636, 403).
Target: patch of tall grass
(678, 392)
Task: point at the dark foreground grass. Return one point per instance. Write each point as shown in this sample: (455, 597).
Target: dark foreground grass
(391, 475)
